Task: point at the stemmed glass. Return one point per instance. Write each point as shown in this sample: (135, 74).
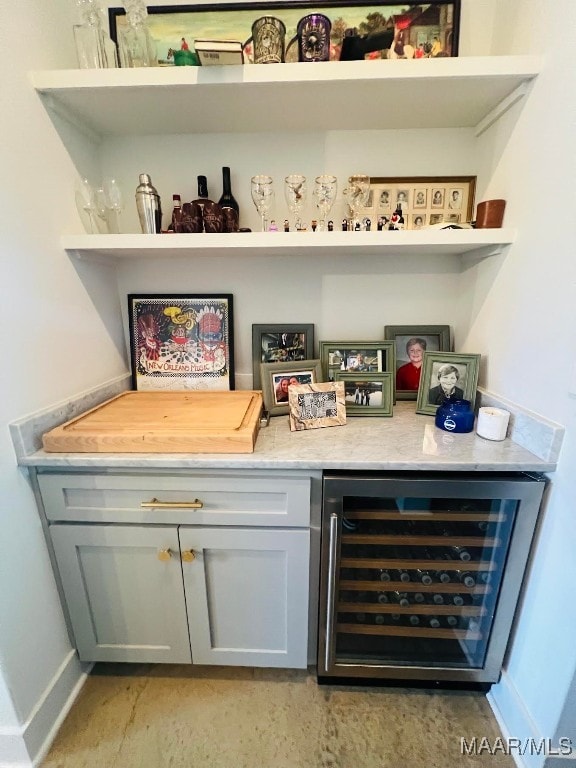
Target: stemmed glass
(102, 207)
(262, 196)
(295, 193)
(86, 202)
(325, 188)
(356, 195)
(114, 201)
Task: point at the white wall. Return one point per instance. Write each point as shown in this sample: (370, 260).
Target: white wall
(55, 344)
(63, 329)
(521, 313)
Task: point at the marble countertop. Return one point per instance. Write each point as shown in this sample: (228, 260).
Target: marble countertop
(407, 441)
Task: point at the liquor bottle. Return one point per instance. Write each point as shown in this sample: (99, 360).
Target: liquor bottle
(212, 218)
(228, 204)
(174, 225)
(397, 220)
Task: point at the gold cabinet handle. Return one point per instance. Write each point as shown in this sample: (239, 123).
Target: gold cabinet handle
(157, 504)
(164, 555)
(188, 556)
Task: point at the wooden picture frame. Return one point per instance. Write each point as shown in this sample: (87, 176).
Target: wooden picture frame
(313, 406)
(431, 338)
(181, 341)
(275, 380)
(426, 200)
(420, 30)
(447, 368)
(367, 394)
(280, 343)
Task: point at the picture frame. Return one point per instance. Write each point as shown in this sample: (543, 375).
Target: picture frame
(278, 343)
(313, 406)
(425, 200)
(275, 380)
(357, 357)
(181, 341)
(367, 394)
(421, 30)
(460, 371)
(435, 338)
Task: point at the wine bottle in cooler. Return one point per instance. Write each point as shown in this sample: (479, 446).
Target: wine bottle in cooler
(228, 204)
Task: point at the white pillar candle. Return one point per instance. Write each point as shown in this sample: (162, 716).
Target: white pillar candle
(492, 423)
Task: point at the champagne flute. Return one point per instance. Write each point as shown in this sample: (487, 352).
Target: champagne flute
(262, 196)
(295, 193)
(325, 188)
(114, 202)
(356, 195)
(101, 203)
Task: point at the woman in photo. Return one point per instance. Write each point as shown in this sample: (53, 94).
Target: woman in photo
(408, 375)
(437, 198)
(446, 389)
(418, 222)
(282, 390)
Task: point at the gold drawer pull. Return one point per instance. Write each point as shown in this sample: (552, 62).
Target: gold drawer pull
(164, 555)
(188, 556)
(156, 504)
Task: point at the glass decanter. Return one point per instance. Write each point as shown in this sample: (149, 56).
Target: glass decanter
(135, 43)
(95, 50)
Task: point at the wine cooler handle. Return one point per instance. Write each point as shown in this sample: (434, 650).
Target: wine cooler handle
(332, 555)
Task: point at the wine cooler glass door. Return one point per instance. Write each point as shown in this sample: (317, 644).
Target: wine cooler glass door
(414, 581)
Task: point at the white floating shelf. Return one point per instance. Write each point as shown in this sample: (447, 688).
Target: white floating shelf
(430, 93)
(478, 243)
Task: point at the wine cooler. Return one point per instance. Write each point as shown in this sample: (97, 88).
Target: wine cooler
(421, 573)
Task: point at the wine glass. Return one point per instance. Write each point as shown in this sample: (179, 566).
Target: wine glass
(295, 193)
(262, 196)
(86, 203)
(101, 204)
(114, 202)
(356, 195)
(325, 188)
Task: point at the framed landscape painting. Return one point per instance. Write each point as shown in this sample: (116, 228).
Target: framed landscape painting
(417, 30)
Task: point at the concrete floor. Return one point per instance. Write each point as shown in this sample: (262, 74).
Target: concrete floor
(156, 716)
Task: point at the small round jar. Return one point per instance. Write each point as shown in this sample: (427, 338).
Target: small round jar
(455, 416)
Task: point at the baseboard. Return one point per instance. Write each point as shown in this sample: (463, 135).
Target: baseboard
(514, 720)
(26, 746)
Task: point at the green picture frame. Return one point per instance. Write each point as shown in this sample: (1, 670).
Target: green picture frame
(278, 343)
(436, 338)
(463, 377)
(273, 375)
(377, 356)
(367, 394)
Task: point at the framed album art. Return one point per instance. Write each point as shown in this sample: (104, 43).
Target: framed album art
(181, 341)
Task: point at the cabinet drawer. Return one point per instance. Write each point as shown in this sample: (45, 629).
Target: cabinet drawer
(259, 498)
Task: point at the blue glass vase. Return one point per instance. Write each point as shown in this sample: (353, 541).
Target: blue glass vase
(455, 416)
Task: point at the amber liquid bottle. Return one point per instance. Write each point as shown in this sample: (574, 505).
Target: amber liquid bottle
(228, 204)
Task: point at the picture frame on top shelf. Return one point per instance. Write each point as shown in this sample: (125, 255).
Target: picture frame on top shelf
(425, 200)
(430, 338)
(181, 341)
(367, 394)
(276, 378)
(280, 343)
(419, 30)
(443, 369)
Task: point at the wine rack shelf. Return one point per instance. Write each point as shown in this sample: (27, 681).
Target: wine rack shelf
(444, 634)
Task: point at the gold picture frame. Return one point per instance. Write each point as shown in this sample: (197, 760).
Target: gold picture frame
(425, 200)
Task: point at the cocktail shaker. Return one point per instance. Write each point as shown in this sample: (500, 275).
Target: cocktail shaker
(148, 206)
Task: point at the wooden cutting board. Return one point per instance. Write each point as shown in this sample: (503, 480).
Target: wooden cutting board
(163, 422)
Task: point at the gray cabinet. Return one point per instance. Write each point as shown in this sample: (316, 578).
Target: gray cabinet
(158, 590)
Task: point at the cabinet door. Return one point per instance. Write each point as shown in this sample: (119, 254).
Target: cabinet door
(125, 603)
(247, 596)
